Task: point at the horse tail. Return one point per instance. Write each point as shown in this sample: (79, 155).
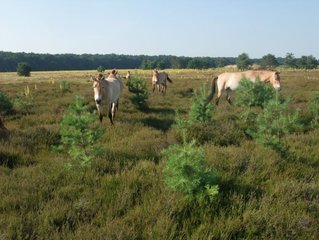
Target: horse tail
(212, 89)
(170, 80)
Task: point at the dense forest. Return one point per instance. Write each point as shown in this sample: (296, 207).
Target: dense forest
(47, 62)
(50, 62)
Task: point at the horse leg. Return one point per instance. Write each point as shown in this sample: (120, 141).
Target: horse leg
(117, 104)
(164, 89)
(112, 111)
(219, 94)
(114, 108)
(110, 117)
(228, 97)
(99, 110)
(153, 87)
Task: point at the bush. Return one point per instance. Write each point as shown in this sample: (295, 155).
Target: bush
(23, 102)
(314, 110)
(200, 110)
(200, 114)
(65, 86)
(186, 172)
(252, 94)
(6, 105)
(24, 69)
(101, 69)
(138, 87)
(79, 135)
(273, 123)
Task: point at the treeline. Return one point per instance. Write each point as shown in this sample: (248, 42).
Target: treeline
(50, 62)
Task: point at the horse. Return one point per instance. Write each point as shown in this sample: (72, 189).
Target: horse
(160, 80)
(230, 81)
(128, 76)
(107, 92)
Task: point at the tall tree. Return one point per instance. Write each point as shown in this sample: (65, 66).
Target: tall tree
(290, 60)
(24, 69)
(269, 61)
(243, 61)
(307, 62)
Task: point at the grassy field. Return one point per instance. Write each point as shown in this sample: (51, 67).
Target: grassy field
(262, 195)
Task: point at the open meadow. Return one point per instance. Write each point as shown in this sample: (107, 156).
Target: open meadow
(262, 194)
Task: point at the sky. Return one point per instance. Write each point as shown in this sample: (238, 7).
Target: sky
(213, 28)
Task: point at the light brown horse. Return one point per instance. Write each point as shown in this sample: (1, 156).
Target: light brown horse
(230, 81)
(128, 76)
(107, 93)
(160, 80)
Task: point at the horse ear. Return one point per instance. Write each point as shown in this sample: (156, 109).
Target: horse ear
(92, 79)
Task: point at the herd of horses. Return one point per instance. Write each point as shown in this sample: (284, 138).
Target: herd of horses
(107, 90)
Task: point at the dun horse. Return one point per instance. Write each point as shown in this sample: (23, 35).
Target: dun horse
(230, 81)
(160, 79)
(128, 76)
(107, 93)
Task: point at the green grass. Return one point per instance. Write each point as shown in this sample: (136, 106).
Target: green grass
(262, 195)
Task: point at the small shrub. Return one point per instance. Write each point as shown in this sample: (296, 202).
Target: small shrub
(273, 123)
(23, 102)
(314, 110)
(138, 87)
(6, 105)
(252, 94)
(79, 134)
(65, 86)
(186, 172)
(24, 69)
(101, 69)
(200, 110)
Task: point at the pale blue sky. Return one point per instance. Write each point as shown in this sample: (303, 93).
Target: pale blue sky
(215, 28)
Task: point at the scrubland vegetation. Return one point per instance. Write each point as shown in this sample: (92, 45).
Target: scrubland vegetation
(66, 176)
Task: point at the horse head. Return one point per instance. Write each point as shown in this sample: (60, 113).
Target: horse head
(275, 80)
(97, 88)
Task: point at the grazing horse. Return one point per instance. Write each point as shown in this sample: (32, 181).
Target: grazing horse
(160, 80)
(230, 81)
(107, 92)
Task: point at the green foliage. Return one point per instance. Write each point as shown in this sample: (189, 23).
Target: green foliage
(101, 69)
(313, 107)
(148, 64)
(160, 65)
(290, 60)
(138, 87)
(6, 105)
(79, 135)
(200, 110)
(24, 69)
(273, 123)
(198, 63)
(23, 101)
(252, 94)
(307, 62)
(243, 61)
(269, 61)
(65, 86)
(186, 172)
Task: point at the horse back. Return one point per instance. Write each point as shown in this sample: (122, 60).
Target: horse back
(113, 89)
